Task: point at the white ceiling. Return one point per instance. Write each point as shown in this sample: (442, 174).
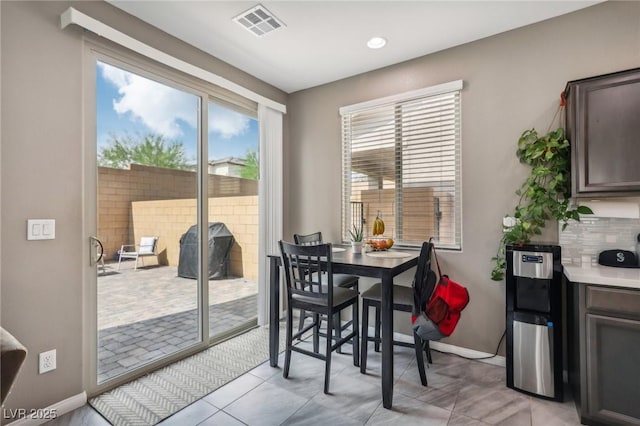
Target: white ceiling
(324, 41)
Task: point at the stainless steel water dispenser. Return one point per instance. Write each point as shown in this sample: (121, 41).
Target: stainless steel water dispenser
(534, 319)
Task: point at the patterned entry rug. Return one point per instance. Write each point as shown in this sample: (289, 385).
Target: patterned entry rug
(156, 396)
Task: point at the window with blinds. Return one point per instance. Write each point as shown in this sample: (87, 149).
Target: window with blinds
(401, 161)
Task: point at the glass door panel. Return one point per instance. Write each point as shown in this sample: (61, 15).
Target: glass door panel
(147, 162)
(233, 220)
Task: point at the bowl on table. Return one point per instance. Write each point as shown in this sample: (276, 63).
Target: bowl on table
(380, 243)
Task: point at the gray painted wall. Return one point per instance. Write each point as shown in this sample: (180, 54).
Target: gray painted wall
(42, 177)
(512, 82)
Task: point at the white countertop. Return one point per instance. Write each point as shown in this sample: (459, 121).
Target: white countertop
(604, 275)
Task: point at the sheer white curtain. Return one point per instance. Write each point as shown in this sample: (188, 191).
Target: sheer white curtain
(270, 200)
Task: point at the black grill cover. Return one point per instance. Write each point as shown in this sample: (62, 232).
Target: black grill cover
(220, 243)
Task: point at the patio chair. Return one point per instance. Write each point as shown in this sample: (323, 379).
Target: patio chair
(148, 247)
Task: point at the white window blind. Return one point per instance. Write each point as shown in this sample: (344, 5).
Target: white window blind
(401, 159)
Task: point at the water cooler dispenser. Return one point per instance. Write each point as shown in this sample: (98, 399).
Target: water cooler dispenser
(534, 320)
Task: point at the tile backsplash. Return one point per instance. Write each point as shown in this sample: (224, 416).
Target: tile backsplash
(582, 241)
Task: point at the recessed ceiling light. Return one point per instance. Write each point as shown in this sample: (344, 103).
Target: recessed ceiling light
(376, 42)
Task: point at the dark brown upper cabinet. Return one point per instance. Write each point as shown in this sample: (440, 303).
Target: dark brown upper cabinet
(603, 126)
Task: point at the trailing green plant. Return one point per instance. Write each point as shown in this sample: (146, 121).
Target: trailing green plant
(357, 233)
(544, 195)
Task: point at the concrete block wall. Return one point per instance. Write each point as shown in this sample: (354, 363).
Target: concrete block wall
(170, 219)
(118, 188)
(418, 222)
(240, 214)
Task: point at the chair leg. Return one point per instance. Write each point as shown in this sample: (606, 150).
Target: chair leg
(287, 355)
(377, 328)
(355, 341)
(337, 327)
(119, 260)
(364, 336)
(427, 349)
(420, 358)
(135, 268)
(327, 361)
(316, 333)
(303, 316)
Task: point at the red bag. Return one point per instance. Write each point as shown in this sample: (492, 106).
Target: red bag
(447, 301)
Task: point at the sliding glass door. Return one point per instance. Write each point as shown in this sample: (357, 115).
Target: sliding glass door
(148, 281)
(172, 216)
(233, 172)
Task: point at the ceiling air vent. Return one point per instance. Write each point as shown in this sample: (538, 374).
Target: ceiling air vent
(259, 21)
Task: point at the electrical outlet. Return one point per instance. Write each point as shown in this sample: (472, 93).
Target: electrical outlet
(47, 361)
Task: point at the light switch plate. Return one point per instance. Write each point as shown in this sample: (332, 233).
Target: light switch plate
(41, 229)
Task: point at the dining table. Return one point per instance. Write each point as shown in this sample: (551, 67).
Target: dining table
(383, 265)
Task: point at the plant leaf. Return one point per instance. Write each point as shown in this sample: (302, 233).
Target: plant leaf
(584, 210)
(545, 193)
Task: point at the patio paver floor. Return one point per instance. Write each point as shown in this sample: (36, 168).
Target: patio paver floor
(145, 314)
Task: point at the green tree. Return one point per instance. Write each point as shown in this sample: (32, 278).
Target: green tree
(149, 150)
(251, 170)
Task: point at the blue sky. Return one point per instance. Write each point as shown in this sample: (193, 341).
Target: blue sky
(129, 103)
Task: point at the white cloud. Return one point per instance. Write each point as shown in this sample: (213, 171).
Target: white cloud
(227, 123)
(157, 106)
(162, 108)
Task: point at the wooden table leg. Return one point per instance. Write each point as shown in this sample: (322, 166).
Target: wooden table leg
(387, 340)
(274, 310)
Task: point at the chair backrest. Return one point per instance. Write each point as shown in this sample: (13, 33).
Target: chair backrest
(309, 239)
(303, 266)
(425, 279)
(148, 245)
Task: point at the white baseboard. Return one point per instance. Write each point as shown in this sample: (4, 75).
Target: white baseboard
(59, 408)
(456, 350)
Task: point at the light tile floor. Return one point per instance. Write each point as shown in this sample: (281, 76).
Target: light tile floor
(460, 392)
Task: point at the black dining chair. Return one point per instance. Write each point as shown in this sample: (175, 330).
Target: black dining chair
(340, 280)
(403, 300)
(311, 290)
